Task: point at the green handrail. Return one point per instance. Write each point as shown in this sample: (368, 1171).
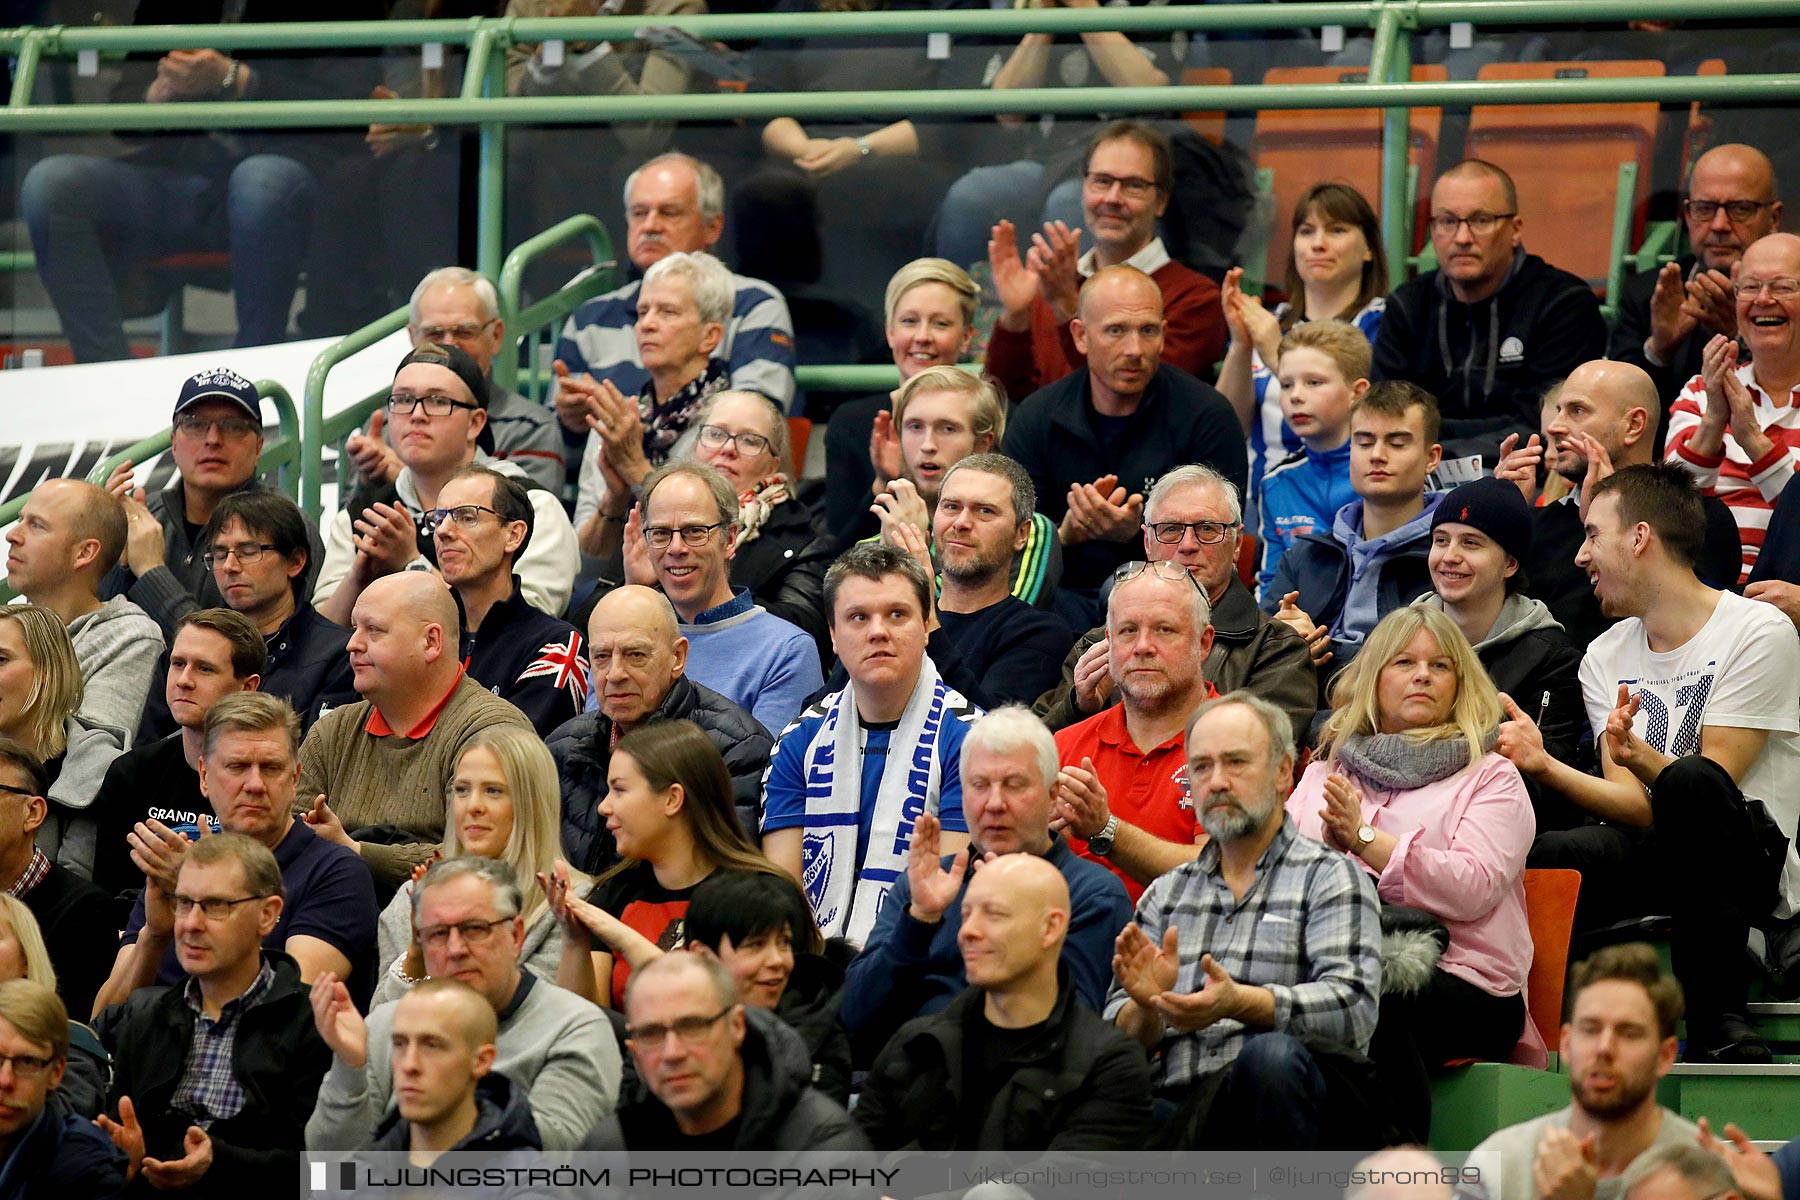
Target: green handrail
(594, 279)
(282, 455)
(315, 431)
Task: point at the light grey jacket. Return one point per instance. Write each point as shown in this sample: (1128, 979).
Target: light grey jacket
(118, 646)
(556, 1046)
(68, 834)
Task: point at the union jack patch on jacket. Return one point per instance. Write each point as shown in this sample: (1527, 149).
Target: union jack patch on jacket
(565, 661)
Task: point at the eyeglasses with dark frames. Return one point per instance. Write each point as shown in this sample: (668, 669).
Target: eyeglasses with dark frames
(714, 437)
(1209, 533)
(466, 516)
(473, 932)
(688, 1029)
(695, 536)
(435, 406)
(216, 908)
(248, 554)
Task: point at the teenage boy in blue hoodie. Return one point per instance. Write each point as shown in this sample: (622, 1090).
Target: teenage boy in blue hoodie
(1333, 586)
(1323, 369)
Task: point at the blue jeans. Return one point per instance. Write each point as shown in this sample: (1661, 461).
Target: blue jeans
(987, 194)
(92, 218)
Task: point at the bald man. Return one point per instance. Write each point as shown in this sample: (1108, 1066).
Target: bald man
(1667, 314)
(386, 760)
(639, 661)
(1114, 429)
(1735, 427)
(1605, 412)
(68, 536)
(978, 1075)
(1403, 1173)
(448, 1097)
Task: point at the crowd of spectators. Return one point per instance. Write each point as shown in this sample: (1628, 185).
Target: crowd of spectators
(1100, 759)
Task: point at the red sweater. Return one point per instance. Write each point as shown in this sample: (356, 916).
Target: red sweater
(1194, 336)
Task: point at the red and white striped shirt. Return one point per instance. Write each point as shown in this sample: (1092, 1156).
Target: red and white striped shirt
(1749, 489)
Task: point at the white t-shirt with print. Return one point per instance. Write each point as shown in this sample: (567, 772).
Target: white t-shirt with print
(1741, 670)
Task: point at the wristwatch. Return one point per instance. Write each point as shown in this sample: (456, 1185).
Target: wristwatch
(1102, 843)
(862, 145)
(1364, 836)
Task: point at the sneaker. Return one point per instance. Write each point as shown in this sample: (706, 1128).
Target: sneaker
(1732, 1039)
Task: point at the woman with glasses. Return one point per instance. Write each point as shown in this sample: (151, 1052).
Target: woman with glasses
(777, 554)
(1409, 785)
(503, 802)
(24, 955)
(40, 695)
(669, 809)
(1335, 272)
(930, 322)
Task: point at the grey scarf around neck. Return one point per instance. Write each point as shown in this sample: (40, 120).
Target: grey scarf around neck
(1396, 762)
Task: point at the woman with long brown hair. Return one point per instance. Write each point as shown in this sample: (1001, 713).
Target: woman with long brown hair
(669, 808)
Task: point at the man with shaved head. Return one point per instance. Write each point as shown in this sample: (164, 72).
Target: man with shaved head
(1736, 426)
(386, 760)
(1128, 414)
(969, 1077)
(1601, 418)
(1488, 330)
(68, 537)
(448, 1095)
(639, 661)
(1668, 313)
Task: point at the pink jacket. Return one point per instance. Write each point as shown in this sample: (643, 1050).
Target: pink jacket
(1460, 856)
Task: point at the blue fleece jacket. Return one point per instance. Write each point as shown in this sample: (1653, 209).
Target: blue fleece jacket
(1302, 494)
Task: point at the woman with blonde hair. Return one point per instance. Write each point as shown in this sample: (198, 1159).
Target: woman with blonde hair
(23, 955)
(503, 802)
(669, 807)
(40, 697)
(1410, 786)
(929, 314)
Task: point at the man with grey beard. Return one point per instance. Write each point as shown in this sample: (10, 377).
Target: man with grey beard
(1254, 968)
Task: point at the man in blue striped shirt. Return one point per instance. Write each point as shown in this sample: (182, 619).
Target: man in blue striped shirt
(1254, 968)
(673, 203)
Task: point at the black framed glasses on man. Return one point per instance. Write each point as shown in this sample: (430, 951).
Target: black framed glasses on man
(434, 405)
(694, 536)
(1208, 533)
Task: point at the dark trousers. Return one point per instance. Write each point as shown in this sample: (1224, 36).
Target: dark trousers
(1448, 1019)
(1281, 1094)
(1710, 860)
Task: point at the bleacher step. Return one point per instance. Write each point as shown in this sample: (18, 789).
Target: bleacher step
(1760, 1099)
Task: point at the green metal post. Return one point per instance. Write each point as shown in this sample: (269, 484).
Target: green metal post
(490, 207)
(312, 420)
(31, 51)
(1624, 203)
(1391, 62)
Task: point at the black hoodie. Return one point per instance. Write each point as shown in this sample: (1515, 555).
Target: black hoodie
(1489, 363)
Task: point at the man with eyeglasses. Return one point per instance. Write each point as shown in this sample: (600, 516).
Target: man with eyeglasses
(46, 1151)
(1668, 313)
(639, 676)
(66, 540)
(722, 1075)
(1192, 517)
(1127, 179)
(257, 548)
(1492, 326)
(249, 765)
(533, 660)
(213, 1076)
(684, 526)
(1095, 441)
(1736, 426)
(1123, 796)
(454, 306)
(72, 914)
(216, 442)
(557, 1048)
(439, 408)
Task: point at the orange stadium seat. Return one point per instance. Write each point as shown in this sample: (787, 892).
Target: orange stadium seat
(1565, 159)
(799, 434)
(1550, 897)
(1304, 146)
(1209, 125)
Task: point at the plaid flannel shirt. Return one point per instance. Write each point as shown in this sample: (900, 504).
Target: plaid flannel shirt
(1309, 930)
(209, 1091)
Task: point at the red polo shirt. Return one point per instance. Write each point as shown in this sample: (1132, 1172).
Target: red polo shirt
(377, 725)
(1147, 789)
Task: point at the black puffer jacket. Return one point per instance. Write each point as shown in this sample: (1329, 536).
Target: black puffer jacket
(810, 1008)
(582, 748)
(782, 1112)
(784, 568)
(1084, 1085)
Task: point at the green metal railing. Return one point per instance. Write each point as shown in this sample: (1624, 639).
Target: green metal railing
(481, 105)
(537, 323)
